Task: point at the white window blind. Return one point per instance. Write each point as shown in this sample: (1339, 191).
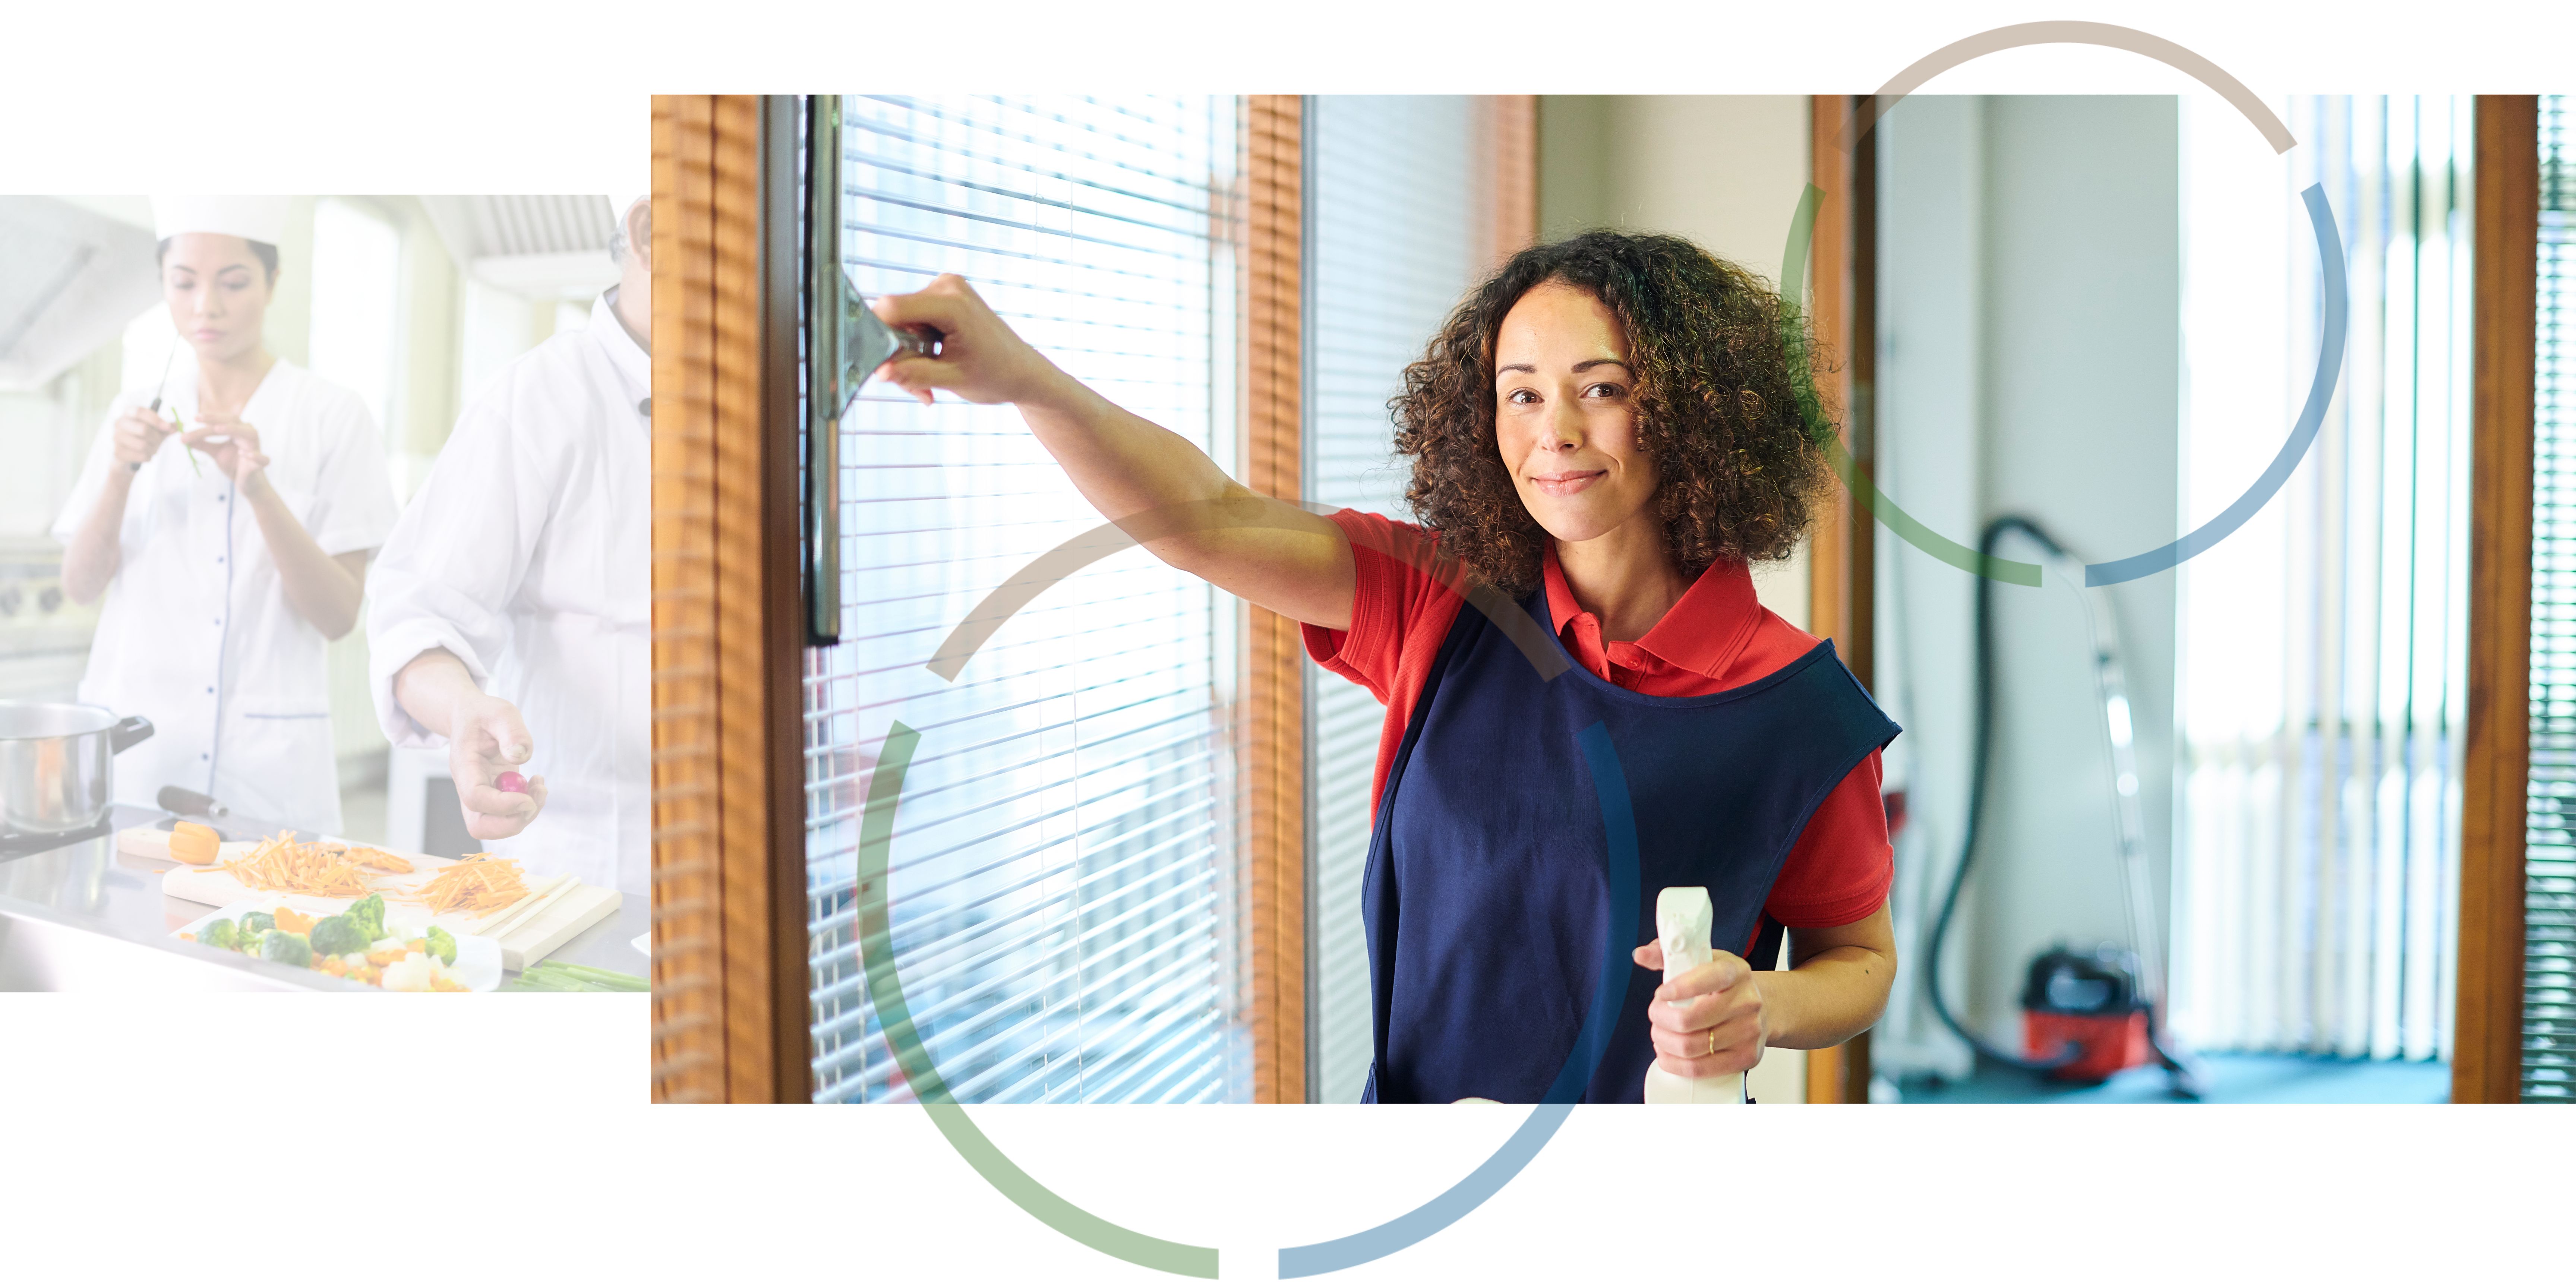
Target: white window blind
(1065, 910)
(1395, 190)
(2324, 643)
(2549, 899)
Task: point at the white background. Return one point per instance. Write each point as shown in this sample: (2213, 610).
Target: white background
(507, 1139)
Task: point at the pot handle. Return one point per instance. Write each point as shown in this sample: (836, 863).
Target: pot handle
(128, 731)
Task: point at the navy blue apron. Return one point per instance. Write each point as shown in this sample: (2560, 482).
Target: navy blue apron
(1486, 888)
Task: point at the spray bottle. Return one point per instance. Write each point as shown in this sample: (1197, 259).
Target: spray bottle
(1682, 917)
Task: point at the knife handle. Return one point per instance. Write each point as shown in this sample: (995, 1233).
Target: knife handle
(179, 800)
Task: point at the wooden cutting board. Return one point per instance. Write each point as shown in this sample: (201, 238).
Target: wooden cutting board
(575, 911)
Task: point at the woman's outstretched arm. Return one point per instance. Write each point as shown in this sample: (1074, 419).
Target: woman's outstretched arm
(1153, 483)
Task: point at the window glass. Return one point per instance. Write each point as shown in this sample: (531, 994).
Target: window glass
(1065, 912)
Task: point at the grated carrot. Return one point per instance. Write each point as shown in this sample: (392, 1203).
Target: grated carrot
(283, 863)
(478, 884)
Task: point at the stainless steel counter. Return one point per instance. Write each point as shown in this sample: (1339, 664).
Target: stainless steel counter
(82, 917)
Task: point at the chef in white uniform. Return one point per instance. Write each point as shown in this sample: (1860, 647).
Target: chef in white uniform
(229, 531)
(510, 616)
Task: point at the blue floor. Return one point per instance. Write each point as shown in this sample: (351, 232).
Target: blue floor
(2234, 1079)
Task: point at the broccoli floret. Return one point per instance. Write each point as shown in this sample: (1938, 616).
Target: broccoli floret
(442, 945)
(340, 934)
(220, 934)
(369, 914)
(254, 922)
(288, 947)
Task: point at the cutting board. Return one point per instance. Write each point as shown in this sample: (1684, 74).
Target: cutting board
(577, 910)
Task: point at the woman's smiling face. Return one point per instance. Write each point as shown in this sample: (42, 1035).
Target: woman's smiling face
(1565, 415)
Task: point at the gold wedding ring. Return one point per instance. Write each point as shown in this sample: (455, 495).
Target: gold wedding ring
(1712, 1043)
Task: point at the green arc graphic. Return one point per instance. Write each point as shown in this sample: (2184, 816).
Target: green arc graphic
(885, 990)
(1863, 488)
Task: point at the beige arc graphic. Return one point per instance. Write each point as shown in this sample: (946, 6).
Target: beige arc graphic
(2104, 34)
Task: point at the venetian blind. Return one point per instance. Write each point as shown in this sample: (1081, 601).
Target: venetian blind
(2325, 643)
(2549, 898)
(1065, 913)
(1394, 193)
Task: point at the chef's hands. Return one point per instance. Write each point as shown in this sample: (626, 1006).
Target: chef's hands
(980, 358)
(139, 434)
(487, 740)
(1721, 1000)
(232, 445)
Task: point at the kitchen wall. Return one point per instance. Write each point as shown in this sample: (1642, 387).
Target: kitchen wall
(2029, 363)
(1725, 171)
(433, 387)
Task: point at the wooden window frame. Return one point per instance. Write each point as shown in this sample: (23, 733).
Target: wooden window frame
(728, 968)
(729, 952)
(1271, 237)
(2486, 1062)
(1842, 553)
(1271, 232)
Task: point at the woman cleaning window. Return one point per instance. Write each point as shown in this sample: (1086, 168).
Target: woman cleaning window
(1607, 431)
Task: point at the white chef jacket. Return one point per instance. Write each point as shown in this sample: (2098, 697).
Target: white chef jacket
(528, 555)
(195, 633)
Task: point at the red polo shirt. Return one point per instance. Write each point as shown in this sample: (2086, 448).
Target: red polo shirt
(1717, 637)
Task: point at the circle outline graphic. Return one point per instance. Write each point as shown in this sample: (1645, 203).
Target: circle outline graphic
(885, 991)
(885, 784)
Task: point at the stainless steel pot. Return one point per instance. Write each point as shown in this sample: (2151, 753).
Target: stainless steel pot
(58, 764)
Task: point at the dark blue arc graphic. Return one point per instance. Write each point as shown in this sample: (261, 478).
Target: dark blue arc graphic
(1619, 824)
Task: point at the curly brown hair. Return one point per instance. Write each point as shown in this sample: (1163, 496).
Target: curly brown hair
(1723, 370)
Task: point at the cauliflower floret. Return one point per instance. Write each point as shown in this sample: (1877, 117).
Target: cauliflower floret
(410, 975)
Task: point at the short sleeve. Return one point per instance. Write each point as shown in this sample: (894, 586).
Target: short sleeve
(1396, 585)
(353, 494)
(1842, 865)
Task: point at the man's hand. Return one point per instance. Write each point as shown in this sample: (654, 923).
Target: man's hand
(487, 740)
(1708, 1021)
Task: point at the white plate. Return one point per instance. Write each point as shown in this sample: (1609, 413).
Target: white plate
(478, 959)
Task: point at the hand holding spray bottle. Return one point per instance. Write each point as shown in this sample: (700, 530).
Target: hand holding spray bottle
(1682, 917)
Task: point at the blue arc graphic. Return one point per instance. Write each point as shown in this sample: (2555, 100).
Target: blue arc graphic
(2338, 307)
(1619, 824)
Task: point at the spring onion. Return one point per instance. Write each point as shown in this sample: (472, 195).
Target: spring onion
(566, 977)
(179, 424)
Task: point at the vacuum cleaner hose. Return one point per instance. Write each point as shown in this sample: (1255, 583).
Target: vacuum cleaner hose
(2188, 1078)
(1977, 758)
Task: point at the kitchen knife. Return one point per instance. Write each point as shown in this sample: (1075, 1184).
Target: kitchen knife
(179, 800)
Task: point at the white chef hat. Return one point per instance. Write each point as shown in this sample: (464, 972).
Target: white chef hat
(259, 219)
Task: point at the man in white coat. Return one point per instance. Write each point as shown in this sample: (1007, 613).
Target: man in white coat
(511, 606)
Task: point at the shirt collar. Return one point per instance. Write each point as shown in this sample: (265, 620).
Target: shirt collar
(1703, 632)
(623, 353)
